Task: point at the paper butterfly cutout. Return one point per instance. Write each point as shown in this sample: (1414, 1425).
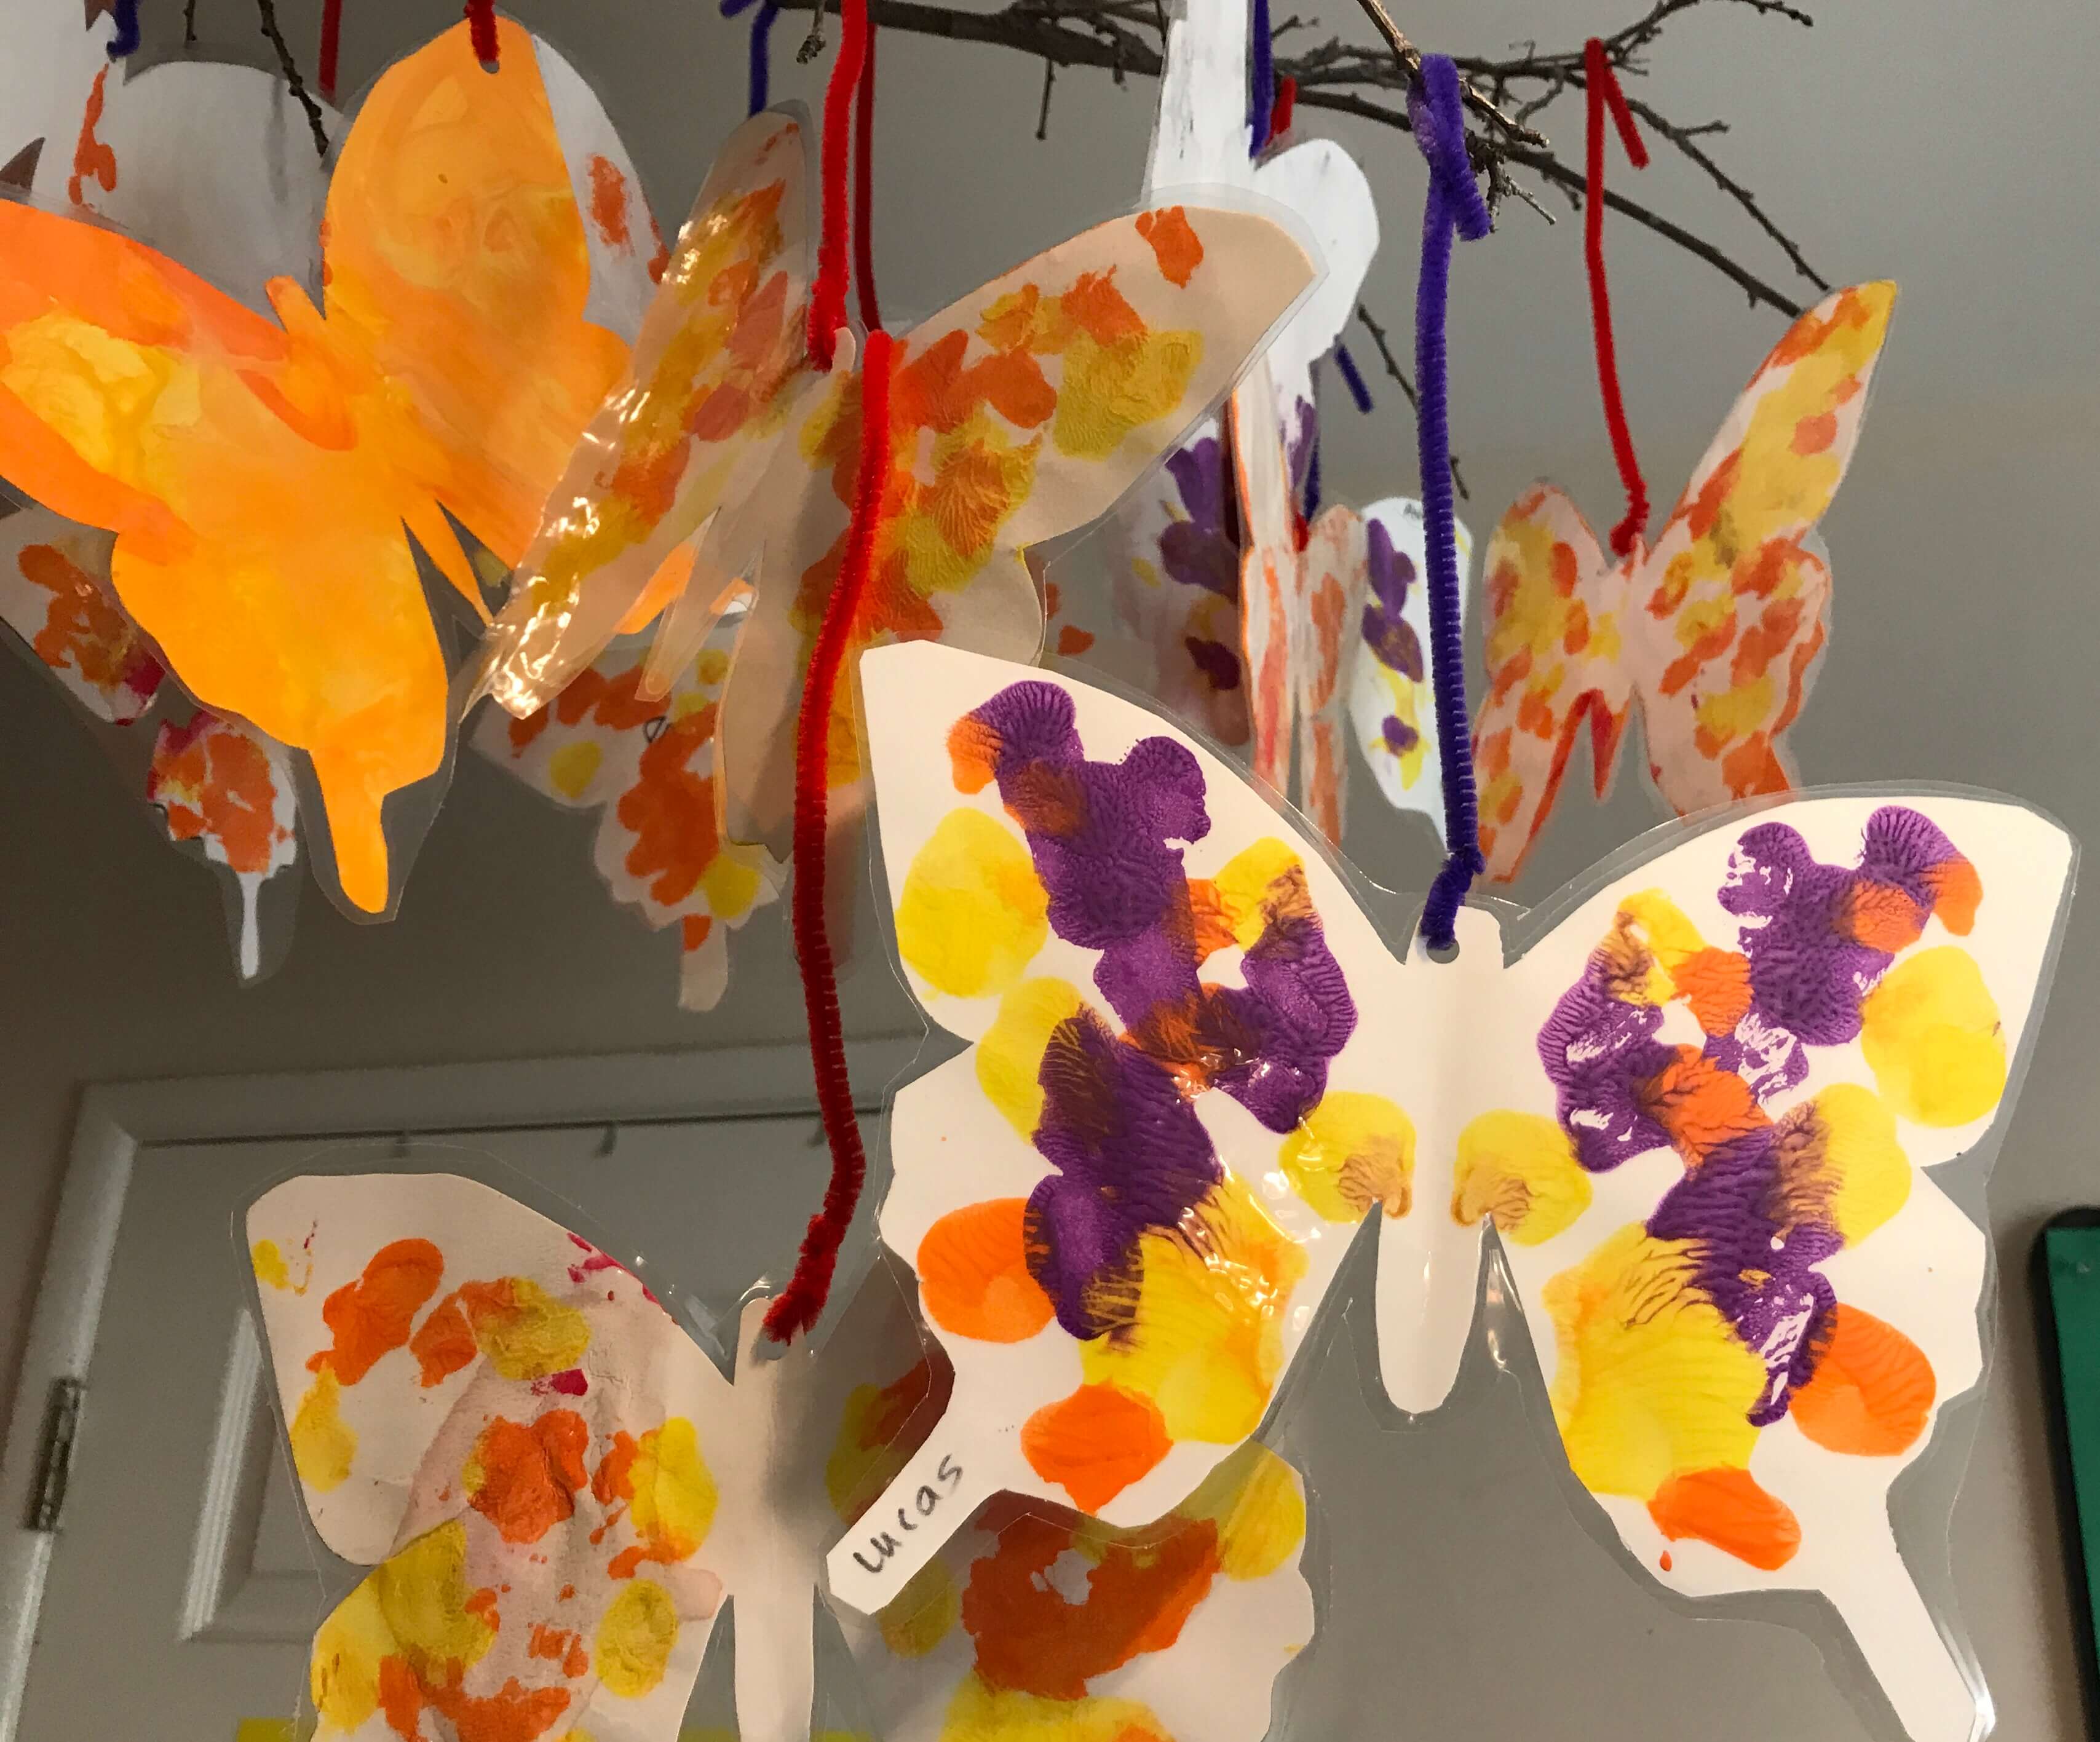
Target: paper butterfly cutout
(54, 50)
(1699, 1111)
(557, 1491)
(1713, 631)
(1016, 414)
(649, 767)
(450, 366)
(1392, 712)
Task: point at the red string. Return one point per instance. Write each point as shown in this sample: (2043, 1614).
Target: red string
(828, 296)
(801, 1303)
(481, 23)
(1604, 91)
(871, 315)
(331, 38)
(1286, 106)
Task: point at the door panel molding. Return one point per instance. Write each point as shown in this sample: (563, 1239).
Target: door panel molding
(119, 1124)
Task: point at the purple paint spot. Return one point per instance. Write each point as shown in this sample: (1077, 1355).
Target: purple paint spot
(1118, 1121)
(1388, 634)
(1400, 737)
(1204, 550)
(1219, 663)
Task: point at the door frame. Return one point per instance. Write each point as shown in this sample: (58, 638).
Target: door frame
(118, 1121)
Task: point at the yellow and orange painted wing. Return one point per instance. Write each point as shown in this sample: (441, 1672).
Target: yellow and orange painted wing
(1019, 412)
(692, 424)
(258, 477)
(1556, 657)
(1730, 607)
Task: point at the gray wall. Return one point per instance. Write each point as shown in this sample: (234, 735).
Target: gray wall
(1896, 140)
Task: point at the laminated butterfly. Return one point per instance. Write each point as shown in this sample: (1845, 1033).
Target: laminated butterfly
(1702, 1113)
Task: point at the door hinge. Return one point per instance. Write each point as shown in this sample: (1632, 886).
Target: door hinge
(55, 1462)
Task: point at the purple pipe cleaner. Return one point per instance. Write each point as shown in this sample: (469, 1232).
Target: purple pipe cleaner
(1454, 204)
(762, 44)
(1359, 389)
(125, 14)
(1261, 107)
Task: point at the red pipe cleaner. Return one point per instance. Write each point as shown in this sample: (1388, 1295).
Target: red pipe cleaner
(331, 39)
(801, 1303)
(870, 315)
(828, 296)
(1604, 90)
(481, 23)
(1285, 107)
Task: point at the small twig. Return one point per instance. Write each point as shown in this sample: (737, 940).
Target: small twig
(1399, 376)
(189, 24)
(1049, 79)
(812, 44)
(290, 70)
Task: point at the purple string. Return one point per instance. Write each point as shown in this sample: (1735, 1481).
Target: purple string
(1359, 388)
(126, 40)
(762, 35)
(1261, 108)
(1454, 204)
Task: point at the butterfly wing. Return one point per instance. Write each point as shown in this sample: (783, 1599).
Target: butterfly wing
(1127, 1200)
(1021, 413)
(1334, 581)
(1391, 710)
(647, 765)
(1704, 1109)
(224, 788)
(1556, 657)
(720, 359)
(1725, 620)
(507, 1429)
(1176, 1634)
(55, 594)
(1269, 574)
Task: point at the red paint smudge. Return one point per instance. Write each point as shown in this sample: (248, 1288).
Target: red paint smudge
(609, 201)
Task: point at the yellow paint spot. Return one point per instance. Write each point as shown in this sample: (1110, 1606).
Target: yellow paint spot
(1352, 1151)
(973, 914)
(423, 1594)
(343, 1674)
(573, 767)
(635, 1639)
(979, 1713)
(1933, 1039)
(1861, 1152)
(525, 1334)
(1255, 1500)
(1010, 1055)
(924, 1613)
(731, 883)
(711, 666)
(1246, 887)
(1521, 1170)
(1651, 1381)
(1202, 1335)
(270, 1270)
(323, 1445)
(674, 1492)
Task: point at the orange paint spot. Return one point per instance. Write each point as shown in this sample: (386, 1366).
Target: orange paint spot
(1881, 915)
(444, 1344)
(1175, 246)
(1072, 641)
(1102, 310)
(614, 1478)
(973, 1273)
(92, 160)
(482, 1605)
(1957, 893)
(225, 774)
(566, 1593)
(1727, 1508)
(1814, 435)
(371, 1316)
(1094, 1442)
(513, 1713)
(973, 749)
(1666, 1563)
(1700, 1105)
(400, 1697)
(523, 1478)
(671, 810)
(608, 203)
(82, 626)
(1873, 1390)
(1030, 1638)
(1716, 985)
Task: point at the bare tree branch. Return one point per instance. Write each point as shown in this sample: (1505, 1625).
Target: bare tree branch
(290, 70)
